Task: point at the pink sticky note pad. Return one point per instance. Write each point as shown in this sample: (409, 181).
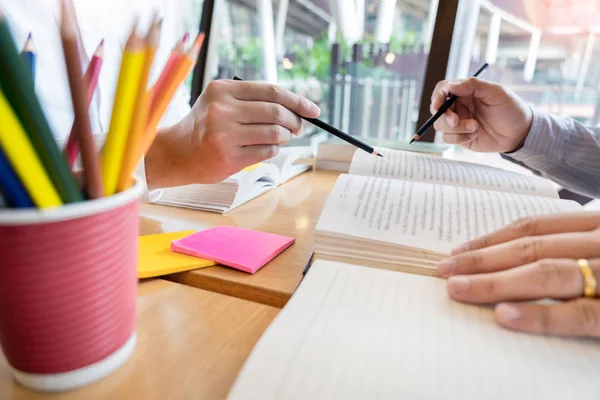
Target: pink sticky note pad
(239, 248)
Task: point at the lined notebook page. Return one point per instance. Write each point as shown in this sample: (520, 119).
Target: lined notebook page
(404, 165)
(424, 215)
(354, 332)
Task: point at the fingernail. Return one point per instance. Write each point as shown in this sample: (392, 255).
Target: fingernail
(471, 125)
(450, 120)
(458, 284)
(508, 313)
(461, 249)
(446, 268)
(314, 108)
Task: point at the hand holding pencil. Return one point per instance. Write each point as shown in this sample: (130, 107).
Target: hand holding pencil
(486, 117)
(232, 125)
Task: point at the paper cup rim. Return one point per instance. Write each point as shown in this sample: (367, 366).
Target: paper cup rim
(13, 217)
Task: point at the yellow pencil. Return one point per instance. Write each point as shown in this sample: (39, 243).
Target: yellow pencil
(122, 114)
(140, 114)
(22, 156)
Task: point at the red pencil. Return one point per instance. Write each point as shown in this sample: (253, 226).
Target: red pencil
(90, 80)
(165, 75)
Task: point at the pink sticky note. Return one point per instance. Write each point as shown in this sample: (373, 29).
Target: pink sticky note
(243, 249)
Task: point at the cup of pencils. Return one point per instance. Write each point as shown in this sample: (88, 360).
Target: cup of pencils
(68, 238)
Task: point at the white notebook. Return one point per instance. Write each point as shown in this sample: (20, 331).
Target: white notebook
(352, 332)
(241, 187)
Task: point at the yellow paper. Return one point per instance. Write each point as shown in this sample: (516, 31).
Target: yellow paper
(24, 160)
(155, 257)
(125, 100)
(252, 167)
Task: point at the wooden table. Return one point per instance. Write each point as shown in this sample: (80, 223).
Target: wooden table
(191, 345)
(292, 210)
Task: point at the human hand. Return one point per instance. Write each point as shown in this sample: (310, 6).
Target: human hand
(534, 258)
(486, 117)
(233, 124)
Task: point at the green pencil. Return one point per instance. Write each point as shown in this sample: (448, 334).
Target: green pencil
(17, 85)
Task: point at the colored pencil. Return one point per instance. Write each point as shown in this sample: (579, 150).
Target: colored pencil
(447, 104)
(90, 79)
(140, 114)
(28, 55)
(167, 71)
(79, 96)
(21, 154)
(159, 107)
(14, 193)
(336, 132)
(19, 91)
(125, 99)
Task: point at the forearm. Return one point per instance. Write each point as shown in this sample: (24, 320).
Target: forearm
(564, 151)
(166, 163)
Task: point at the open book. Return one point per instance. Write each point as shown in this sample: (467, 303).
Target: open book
(337, 155)
(241, 187)
(352, 332)
(407, 211)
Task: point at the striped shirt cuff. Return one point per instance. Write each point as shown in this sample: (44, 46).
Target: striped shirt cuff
(545, 143)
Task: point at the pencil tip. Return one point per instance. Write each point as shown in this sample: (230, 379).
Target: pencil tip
(199, 40)
(411, 141)
(379, 155)
(28, 47)
(100, 49)
(185, 38)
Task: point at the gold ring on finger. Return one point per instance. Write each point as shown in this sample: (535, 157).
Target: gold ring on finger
(589, 280)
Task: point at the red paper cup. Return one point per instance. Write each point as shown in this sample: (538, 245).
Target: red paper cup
(68, 287)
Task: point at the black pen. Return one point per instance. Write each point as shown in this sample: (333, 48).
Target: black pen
(336, 132)
(442, 109)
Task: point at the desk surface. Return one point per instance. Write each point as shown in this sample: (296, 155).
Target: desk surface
(291, 209)
(191, 344)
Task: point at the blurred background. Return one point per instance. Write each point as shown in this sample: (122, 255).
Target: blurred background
(364, 61)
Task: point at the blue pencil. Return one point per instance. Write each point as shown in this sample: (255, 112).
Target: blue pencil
(12, 189)
(28, 55)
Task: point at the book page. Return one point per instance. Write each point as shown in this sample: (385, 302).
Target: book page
(424, 215)
(423, 168)
(353, 332)
(286, 159)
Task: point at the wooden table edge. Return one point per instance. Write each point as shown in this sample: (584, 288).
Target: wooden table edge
(261, 295)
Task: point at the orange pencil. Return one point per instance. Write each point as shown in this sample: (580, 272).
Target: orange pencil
(185, 65)
(140, 113)
(171, 64)
(91, 166)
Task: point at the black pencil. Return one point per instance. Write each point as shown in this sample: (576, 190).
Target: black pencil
(336, 132)
(442, 109)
